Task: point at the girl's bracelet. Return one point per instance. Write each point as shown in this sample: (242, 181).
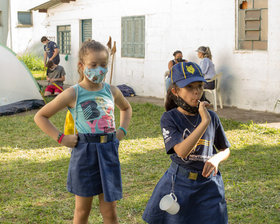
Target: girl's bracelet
(124, 131)
(60, 137)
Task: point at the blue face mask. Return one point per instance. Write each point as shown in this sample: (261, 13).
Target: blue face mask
(98, 72)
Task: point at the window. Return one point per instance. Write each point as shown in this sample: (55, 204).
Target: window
(86, 29)
(24, 19)
(64, 39)
(252, 24)
(133, 37)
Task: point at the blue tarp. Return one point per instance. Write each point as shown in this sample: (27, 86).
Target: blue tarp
(126, 90)
(20, 106)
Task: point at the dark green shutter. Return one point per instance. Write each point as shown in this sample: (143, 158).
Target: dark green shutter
(86, 29)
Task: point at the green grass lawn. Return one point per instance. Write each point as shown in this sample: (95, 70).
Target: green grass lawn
(33, 171)
(39, 75)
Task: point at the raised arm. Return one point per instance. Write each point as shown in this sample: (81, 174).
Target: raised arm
(125, 111)
(184, 148)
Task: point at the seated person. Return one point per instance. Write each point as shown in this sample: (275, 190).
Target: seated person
(207, 66)
(56, 77)
(178, 57)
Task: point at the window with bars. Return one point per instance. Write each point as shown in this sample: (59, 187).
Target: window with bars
(64, 39)
(252, 24)
(133, 37)
(24, 18)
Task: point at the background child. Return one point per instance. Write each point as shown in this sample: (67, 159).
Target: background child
(94, 167)
(191, 135)
(51, 51)
(55, 75)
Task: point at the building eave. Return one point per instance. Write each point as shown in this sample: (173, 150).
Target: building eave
(45, 6)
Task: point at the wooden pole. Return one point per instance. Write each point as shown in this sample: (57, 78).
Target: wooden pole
(109, 43)
(114, 49)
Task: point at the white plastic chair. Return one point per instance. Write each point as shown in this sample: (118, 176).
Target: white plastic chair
(216, 91)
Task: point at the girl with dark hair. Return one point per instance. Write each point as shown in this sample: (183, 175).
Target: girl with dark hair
(196, 142)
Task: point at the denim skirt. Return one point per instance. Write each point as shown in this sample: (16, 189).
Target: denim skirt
(201, 201)
(95, 168)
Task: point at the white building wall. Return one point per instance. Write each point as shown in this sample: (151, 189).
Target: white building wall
(26, 39)
(4, 15)
(250, 78)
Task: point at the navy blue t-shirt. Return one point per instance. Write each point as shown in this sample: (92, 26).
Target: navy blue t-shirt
(176, 127)
(49, 48)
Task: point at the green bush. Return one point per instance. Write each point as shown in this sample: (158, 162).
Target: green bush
(33, 63)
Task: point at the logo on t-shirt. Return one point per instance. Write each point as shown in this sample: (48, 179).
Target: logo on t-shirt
(165, 133)
(90, 110)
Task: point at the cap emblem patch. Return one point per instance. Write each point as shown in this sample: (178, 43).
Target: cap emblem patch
(190, 69)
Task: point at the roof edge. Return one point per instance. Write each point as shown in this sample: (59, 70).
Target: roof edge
(45, 6)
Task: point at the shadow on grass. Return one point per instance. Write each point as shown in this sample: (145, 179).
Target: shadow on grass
(35, 192)
(32, 191)
(22, 132)
(251, 180)
(251, 177)
(145, 121)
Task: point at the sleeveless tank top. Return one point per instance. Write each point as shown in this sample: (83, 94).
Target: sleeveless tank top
(94, 111)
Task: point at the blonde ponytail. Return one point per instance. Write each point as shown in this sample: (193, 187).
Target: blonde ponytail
(208, 53)
(205, 52)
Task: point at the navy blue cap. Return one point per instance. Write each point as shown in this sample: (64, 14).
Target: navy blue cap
(184, 73)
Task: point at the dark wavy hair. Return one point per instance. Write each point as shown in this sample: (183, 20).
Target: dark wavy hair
(177, 52)
(50, 64)
(44, 38)
(169, 101)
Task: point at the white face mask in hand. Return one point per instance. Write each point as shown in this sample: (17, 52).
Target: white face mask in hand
(95, 75)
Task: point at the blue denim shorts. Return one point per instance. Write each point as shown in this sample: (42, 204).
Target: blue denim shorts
(95, 168)
(201, 201)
